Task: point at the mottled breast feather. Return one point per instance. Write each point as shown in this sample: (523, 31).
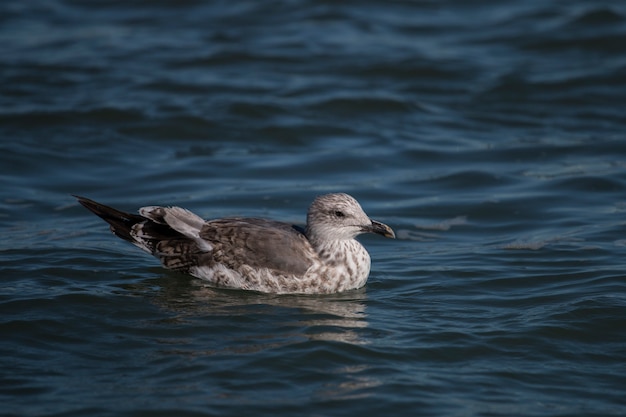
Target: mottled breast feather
(259, 243)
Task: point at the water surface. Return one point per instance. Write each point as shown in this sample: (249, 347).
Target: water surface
(489, 135)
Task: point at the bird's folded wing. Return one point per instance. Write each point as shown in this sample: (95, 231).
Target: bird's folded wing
(259, 243)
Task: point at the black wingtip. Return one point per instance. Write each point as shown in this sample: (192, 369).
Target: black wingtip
(120, 222)
(83, 200)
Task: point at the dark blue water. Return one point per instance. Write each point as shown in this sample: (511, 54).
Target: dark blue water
(488, 134)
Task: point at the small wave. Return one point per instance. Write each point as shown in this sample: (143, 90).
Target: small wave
(523, 245)
(599, 16)
(442, 226)
(536, 244)
(365, 105)
(445, 224)
(406, 234)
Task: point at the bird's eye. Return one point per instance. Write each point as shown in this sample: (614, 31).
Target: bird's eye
(339, 214)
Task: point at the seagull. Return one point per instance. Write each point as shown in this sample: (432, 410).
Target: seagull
(256, 254)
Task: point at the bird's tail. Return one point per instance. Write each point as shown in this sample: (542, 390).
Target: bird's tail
(175, 245)
(121, 223)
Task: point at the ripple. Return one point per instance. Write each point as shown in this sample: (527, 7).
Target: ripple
(489, 135)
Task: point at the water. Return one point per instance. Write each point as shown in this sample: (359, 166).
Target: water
(489, 135)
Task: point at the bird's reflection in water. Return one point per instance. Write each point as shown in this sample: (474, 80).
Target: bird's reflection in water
(257, 321)
(280, 337)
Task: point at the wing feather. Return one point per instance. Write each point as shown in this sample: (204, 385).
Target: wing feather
(259, 243)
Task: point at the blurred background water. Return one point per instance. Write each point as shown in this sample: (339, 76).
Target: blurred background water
(488, 134)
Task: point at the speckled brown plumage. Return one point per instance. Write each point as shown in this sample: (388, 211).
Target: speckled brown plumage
(256, 254)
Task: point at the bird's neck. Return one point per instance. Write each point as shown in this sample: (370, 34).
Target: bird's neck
(342, 251)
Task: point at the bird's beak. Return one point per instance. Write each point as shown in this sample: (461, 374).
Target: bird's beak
(380, 229)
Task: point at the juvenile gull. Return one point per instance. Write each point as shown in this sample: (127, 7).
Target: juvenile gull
(256, 254)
